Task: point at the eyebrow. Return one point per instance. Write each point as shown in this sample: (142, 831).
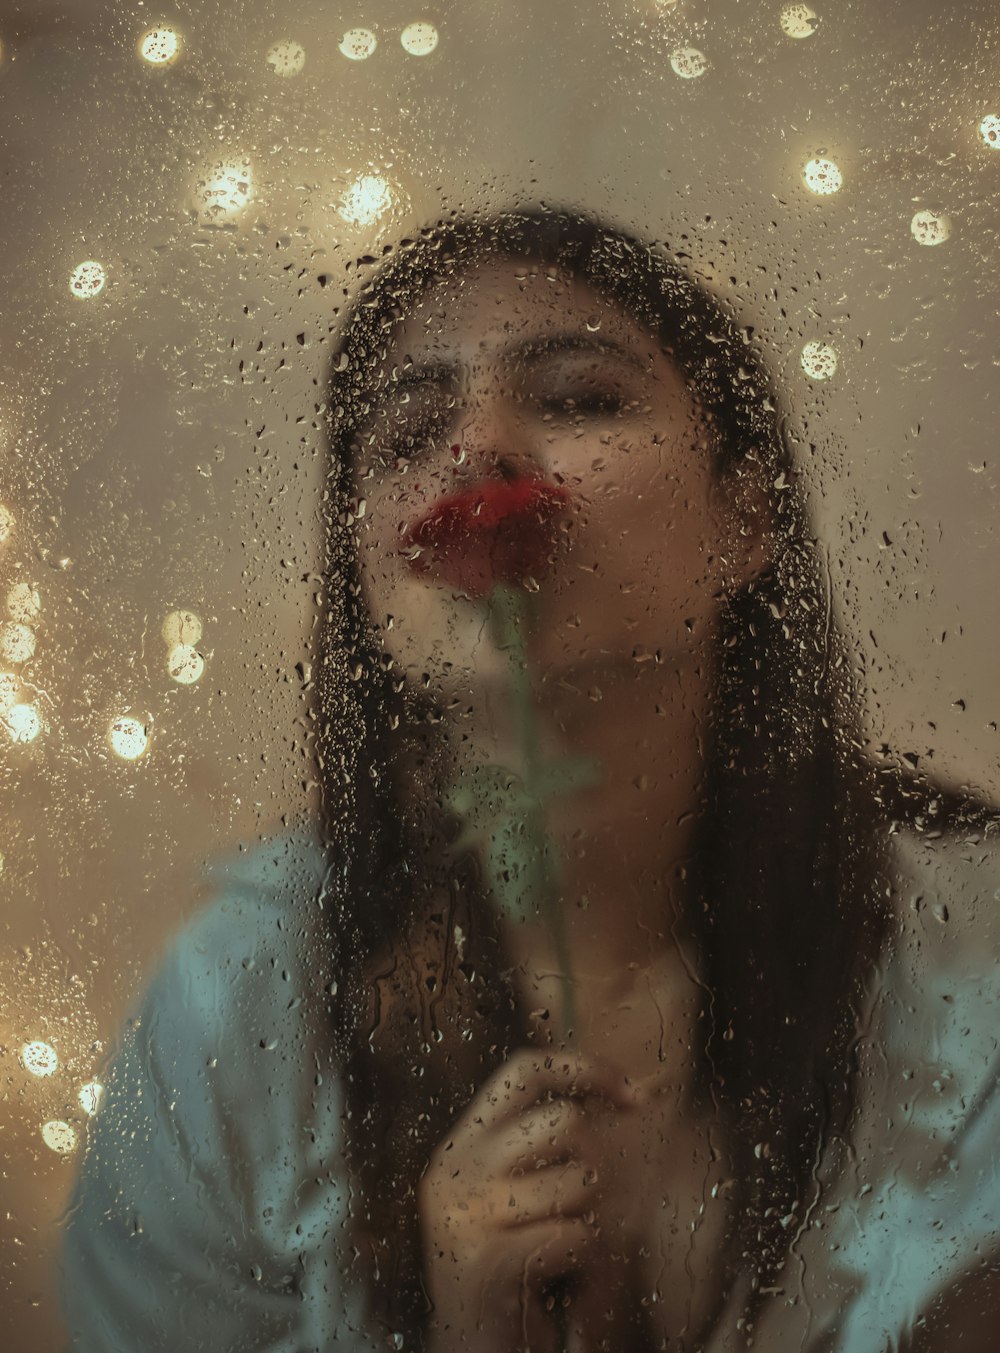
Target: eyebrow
(532, 349)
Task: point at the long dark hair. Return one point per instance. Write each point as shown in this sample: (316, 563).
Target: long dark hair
(784, 900)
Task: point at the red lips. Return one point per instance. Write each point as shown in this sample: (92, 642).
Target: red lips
(498, 531)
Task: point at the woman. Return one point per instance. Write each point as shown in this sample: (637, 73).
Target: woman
(542, 1049)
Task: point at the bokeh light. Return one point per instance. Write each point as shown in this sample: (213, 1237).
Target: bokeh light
(6, 523)
(24, 603)
(41, 1059)
(930, 227)
(128, 737)
(286, 58)
(87, 279)
(181, 627)
(368, 198)
(819, 360)
(90, 1096)
(419, 39)
(688, 62)
(10, 690)
(224, 190)
(23, 723)
(989, 130)
(59, 1136)
(822, 177)
(17, 642)
(798, 21)
(185, 664)
(160, 46)
(358, 43)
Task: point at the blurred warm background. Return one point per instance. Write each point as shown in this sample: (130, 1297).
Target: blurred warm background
(187, 189)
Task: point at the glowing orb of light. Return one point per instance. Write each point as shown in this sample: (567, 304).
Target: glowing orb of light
(688, 62)
(798, 21)
(181, 627)
(23, 723)
(819, 360)
(930, 227)
(185, 664)
(419, 39)
(358, 43)
(17, 642)
(87, 279)
(225, 190)
(160, 46)
(286, 58)
(24, 603)
(41, 1059)
(989, 130)
(128, 737)
(366, 200)
(59, 1137)
(90, 1096)
(6, 524)
(822, 177)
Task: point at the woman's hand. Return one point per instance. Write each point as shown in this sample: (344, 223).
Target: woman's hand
(509, 1201)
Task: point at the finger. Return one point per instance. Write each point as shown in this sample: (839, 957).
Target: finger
(547, 1134)
(561, 1191)
(529, 1077)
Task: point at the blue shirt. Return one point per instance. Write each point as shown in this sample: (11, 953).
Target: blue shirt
(213, 1207)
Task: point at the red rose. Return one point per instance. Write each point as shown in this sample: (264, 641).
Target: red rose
(498, 531)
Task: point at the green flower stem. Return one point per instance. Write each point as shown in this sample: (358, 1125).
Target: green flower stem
(508, 617)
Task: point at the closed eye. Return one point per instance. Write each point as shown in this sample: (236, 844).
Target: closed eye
(595, 404)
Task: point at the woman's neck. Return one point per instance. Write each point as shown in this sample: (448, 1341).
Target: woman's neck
(638, 730)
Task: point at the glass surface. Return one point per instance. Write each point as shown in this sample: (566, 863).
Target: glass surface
(497, 676)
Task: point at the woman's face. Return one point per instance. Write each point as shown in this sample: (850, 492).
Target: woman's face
(512, 369)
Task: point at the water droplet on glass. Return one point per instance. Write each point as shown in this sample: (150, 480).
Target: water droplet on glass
(6, 524)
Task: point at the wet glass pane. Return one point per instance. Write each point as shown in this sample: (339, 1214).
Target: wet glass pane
(497, 702)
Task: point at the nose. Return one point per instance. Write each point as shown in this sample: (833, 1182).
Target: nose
(496, 442)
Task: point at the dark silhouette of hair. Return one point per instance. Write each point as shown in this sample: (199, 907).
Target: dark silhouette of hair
(785, 882)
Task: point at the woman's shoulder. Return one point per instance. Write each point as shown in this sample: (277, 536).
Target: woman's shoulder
(249, 978)
(215, 1166)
